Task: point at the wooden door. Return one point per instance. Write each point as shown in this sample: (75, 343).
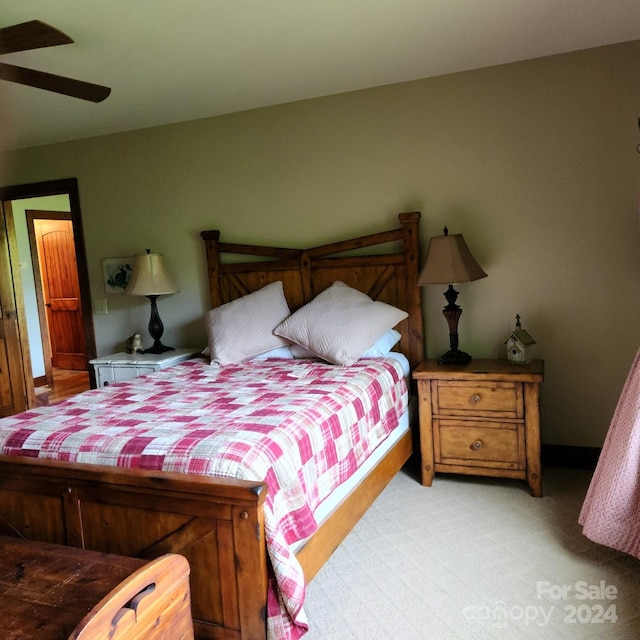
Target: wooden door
(15, 360)
(61, 292)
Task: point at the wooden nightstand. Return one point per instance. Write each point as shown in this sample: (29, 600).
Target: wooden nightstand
(482, 418)
(125, 366)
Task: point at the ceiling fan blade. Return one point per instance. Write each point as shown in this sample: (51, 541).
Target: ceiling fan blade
(51, 82)
(31, 35)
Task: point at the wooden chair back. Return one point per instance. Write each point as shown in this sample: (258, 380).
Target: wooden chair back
(154, 603)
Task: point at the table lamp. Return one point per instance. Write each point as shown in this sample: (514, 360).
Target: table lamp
(450, 261)
(150, 278)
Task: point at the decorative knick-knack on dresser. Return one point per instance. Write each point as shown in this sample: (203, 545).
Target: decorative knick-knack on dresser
(519, 345)
(133, 344)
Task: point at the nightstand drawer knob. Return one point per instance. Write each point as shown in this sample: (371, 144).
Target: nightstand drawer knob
(475, 398)
(476, 445)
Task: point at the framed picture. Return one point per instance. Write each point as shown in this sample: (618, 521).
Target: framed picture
(116, 273)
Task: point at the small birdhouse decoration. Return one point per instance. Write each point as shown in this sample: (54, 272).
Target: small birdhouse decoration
(519, 345)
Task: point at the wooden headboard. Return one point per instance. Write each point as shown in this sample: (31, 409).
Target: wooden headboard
(390, 277)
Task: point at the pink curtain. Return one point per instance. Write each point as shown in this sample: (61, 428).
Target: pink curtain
(611, 511)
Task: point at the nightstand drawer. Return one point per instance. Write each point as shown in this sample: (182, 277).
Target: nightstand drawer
(477, 398)
(480, 443)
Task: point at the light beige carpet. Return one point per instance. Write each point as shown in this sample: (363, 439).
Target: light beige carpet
(475, 558)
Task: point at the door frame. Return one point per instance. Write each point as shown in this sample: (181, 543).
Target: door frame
(69, 187)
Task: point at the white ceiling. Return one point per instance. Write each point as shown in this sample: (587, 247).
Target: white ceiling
(175, 60)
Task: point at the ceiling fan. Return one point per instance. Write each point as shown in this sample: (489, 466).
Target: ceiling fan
(35, 35)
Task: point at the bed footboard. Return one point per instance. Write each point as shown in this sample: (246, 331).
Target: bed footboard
(217, 524)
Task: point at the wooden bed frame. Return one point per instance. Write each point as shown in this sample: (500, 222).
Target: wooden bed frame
(216, 523)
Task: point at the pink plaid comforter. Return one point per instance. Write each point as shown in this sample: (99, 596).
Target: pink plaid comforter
(303, 427)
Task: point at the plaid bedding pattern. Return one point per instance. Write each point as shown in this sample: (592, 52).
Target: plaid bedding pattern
(301, 426)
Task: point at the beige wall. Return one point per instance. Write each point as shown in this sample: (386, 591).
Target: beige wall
(534, 162)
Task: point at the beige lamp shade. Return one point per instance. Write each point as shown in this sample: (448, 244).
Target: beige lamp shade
(149, 277)
(449, 261)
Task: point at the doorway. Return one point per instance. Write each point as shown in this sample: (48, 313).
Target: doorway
(41, 336)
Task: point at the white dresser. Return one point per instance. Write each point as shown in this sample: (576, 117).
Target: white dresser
(125, 366)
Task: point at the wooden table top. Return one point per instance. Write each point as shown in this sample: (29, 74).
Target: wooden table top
(46, 589)
(495, 369)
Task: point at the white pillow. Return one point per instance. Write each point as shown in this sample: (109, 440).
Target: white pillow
(299, 351)
(281, 353)
(340, 324)
(383, 345)
(244, 327)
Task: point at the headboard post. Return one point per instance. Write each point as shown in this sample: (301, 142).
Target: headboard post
(410, 224)
(211, 241)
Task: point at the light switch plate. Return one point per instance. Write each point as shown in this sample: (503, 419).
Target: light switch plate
(100, 307)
